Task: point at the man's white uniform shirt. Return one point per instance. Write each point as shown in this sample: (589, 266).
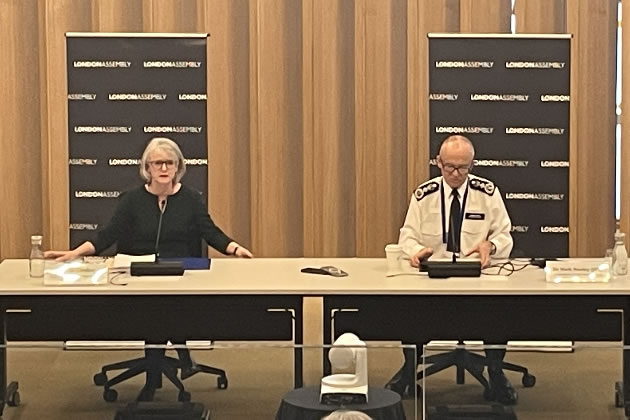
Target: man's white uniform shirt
(483, 211)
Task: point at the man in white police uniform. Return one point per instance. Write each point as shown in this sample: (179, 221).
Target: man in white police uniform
(456, 212)
(463, 214)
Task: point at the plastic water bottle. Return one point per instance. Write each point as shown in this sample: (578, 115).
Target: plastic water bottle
(36, 260)
(620, 255)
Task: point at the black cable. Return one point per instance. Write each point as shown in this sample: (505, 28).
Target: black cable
(508, 266)
(113, 277)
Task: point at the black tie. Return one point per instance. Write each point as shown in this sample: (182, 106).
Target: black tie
(454, 227)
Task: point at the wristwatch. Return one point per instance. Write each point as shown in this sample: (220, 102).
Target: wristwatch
(494, 248)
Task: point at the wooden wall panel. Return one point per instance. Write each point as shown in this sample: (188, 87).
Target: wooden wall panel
(229, 116)
(329, 150)
(311, 220)
(541, 16)
(625, 124)
(56, 18)
(117, 15)
(397, 195)
(380, 141)
(170, 16)
(485, 16)
(424, 17)
(20, 160)
(317, 112)
(592, 162)
(277, 205)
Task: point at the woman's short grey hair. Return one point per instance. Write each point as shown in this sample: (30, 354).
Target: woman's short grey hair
(347, 415)
(168, 146)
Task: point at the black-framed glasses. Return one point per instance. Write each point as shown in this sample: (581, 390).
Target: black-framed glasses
(158, 164)
(462, 169)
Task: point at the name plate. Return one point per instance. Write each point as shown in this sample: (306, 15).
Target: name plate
(578, 271)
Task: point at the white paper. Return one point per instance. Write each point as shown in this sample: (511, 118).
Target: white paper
(123, 261)
(405, 269)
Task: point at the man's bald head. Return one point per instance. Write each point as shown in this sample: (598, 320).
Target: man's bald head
(455, 160)
(457, 143)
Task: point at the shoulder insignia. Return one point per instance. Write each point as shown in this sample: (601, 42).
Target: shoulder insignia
(482, 185)
(426, 189)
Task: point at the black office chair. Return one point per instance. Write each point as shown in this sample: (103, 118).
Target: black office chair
(155, 364)
(465, 360)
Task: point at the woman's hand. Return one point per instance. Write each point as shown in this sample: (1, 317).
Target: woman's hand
(86, 248)
(242, 252)
(238, 251)
(61, 255)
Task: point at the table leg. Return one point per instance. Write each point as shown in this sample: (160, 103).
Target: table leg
(3, 361)
(327, 315)
(299, 341)
(625, 382)
(9, 394)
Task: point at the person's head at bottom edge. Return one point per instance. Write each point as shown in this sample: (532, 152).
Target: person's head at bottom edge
(347, 415)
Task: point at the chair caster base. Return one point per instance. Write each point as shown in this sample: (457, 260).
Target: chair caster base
(528, 380)
(110, 395)
(100, 379)
(184, 396)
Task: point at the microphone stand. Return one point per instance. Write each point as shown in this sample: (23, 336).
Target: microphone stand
(159, 230)
(455, 243)
(157, 268)
(444, 269)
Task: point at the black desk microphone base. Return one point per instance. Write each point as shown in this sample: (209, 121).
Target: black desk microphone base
(444, 269)
(163, 268)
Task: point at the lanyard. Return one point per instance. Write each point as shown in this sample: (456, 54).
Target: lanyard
(461, 213)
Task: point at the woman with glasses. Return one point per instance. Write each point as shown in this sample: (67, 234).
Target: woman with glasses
(161, 206)
(185, 219)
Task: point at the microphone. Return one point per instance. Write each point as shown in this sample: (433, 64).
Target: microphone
(444, 269)
(159, 229)
(454, 268)
(455, 245)
(157, 268)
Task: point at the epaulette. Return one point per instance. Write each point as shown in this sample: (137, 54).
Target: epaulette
(425, 189)
(483, 185)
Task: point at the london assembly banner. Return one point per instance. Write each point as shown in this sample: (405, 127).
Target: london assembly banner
(510, 95)
(123, 90)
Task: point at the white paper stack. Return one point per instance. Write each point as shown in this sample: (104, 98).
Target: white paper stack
(123, 261)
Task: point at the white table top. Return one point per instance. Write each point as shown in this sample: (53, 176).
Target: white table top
(282, 276)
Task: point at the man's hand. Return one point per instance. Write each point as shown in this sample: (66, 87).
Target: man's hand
(424, 253)
(484, 248)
